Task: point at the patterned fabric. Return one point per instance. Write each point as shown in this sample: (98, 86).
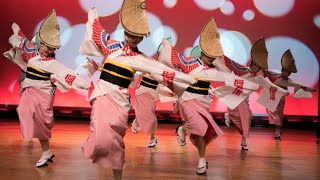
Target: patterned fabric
(21, 34)
(272, 76)
(101, 39)
(116, 75)
(45, 58)
(148, 82)
(28, 50)
(237, 68)
(168, 79)
(201, 87)
(186, 64)
(114, 45)
(128, 51)
(36, 74)
(239, 87)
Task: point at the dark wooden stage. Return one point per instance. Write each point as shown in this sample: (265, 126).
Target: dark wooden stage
(296, 156)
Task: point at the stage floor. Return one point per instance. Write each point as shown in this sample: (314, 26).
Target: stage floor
(296, 156)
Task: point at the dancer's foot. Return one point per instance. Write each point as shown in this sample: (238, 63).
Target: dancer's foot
(153, 142)
(227, 119)
(244, 147)
(277, 135)
(134, 126)
(46, 157)
(181, 136)
(203, 169)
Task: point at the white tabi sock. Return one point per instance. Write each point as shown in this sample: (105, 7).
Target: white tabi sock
(243, 141)
(202, 162)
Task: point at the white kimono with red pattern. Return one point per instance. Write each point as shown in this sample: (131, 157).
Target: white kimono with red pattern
(35, 108)
(224, 93)
(270, 96)
(110, 102)
(234, 94)
(241, 115)
(300, 91)
(194, 108)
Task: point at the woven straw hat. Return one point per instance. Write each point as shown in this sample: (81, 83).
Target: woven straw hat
(288, 63)
(49, 32)
(133, 17)
(259, 53)
(210, 40)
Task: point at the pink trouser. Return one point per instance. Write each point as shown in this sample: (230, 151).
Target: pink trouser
(105, 144)
(276, 117)
(198, 121)
(241, 117)
(145, 112)
(35, 112)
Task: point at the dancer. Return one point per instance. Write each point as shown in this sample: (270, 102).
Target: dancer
(239, 112)
(147, 96)
(145, 107)
(195, 102)
(35, 108)
(241, 116)
(109, 98)
(283, 80)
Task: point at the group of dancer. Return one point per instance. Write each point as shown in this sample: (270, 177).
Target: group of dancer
(171, 75)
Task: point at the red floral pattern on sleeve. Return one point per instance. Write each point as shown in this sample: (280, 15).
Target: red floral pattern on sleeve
(167, 79)
(100, 37)
(237, 68)
(21, 34)
(186, 64)
(28, 49)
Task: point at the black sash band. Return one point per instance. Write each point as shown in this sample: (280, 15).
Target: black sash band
(201, 87)
(148, 82)
(35, 74)
(116, 75)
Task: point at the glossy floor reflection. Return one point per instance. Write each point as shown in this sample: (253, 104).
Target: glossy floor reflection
(295, 156)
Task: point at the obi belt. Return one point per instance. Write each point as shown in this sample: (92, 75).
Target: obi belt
(117, 73)
(36, 73)
(201, 87)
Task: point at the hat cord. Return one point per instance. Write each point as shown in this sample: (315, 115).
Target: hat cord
(143, 14)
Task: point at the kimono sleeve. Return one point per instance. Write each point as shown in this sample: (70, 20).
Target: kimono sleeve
(176, 81)
(19, 41)
(95, 39)
(66, 77)
(14, 56)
